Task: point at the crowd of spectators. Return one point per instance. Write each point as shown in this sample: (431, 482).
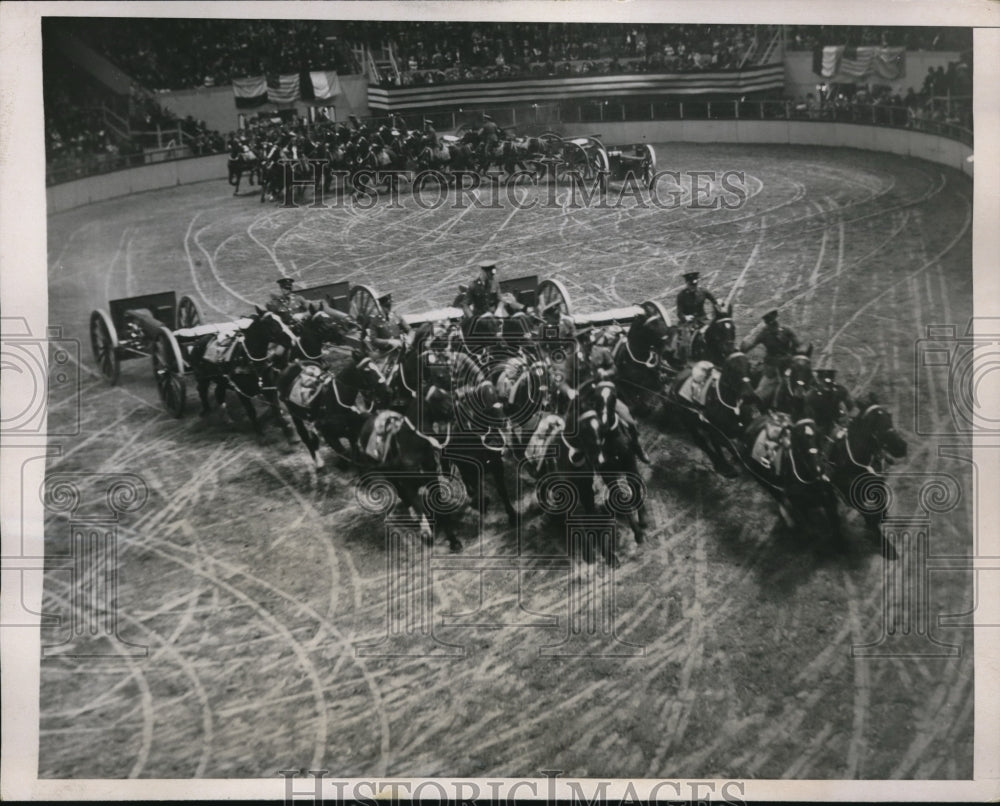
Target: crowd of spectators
(436, 52)
(810, 37)
(945, 97)
(170, 54)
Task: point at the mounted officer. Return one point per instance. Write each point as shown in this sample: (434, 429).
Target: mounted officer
(489, 139)
(780, 344)
(484, 295)
(691, 314)
(387, 329)
(286, 303)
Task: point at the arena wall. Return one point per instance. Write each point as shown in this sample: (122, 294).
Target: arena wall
(842, 135)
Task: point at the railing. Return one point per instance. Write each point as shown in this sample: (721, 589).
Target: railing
(536, 118)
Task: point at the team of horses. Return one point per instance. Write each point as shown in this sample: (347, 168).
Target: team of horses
(460, 404)
(285, 165)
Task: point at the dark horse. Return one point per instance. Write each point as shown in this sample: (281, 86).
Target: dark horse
(595, 444)
(242, 361)
(791, 469)
(325, 404)
(794, 385)
(477, 446)
(242, 160)
(715, 406)
(640, 361)
(404, 451)
(857, 460)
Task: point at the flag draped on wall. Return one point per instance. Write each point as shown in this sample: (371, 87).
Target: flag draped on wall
(842, 64)
(250, 92)
(317, 85)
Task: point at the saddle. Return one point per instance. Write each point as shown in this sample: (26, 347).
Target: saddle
(768, 449)
(385, 427)
(696, 386)
(220, 349)
(548, 429)
(307, 386)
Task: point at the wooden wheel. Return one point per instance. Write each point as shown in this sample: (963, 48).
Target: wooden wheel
(649, 166)
(168, 370)
(552, 295)
(652, 306)
(364, 305)
(188, 314)
(598, 162)
(104, 343)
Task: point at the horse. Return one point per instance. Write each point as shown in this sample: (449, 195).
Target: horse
(593, 444)
(795, 383)
(242, 361)
(857, 460)
(639, 357)
(479, 444)
(241, 160)
(403, 449)
(329, 402)
(783, 456)
(716, 341)
(715, 406)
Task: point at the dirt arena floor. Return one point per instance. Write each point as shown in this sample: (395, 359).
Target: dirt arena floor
(253, 580)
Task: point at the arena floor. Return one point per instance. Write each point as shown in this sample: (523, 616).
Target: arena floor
(252, 579)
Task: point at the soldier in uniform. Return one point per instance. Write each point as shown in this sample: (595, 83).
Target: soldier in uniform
(287, 303)
(387, 329)
(691, 314)
(489, 137)
(780, 343)
(484, 296)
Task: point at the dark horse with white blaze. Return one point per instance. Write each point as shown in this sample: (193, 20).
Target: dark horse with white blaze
(595, 444)
(241, 360)
(784, 457)
(326, 404)
(715, 405)
(858, 457)
(404, 450)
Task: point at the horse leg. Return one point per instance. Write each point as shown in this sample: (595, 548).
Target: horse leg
(500, 482)
(203, 383)
(310, 439)
(220, 400)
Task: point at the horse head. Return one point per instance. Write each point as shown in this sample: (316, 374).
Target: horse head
(720, 335)
(648, 336)
(875, 423)
(799, 375)
(370, 379)
(605, 399)
(805, 461)
(266, 328)
(734, 379)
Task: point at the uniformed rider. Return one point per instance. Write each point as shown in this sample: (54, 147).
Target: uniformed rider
(489, 137)
(286, 303)
(387, 328)
(780, 344)
(484, 295)
(691, 313)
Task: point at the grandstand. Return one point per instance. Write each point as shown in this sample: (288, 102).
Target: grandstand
(118, 91)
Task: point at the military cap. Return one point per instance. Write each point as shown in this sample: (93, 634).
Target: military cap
(770, 316)
(385, 298)
(691, 275)
(286, 282)
(488, 265)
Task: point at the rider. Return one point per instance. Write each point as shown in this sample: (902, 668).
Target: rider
(287, 303)
(387, 328)
(431, 135)
(484, 295)
(780, 344)
(489, 137)
(691, 312)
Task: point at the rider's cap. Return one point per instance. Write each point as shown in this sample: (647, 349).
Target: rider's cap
(487, 117)
(691, 275)
(826, 374)
(770, 316)
(286, 282)
(427, 122)
(385, 298)
(488, 265)
(377, 145)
